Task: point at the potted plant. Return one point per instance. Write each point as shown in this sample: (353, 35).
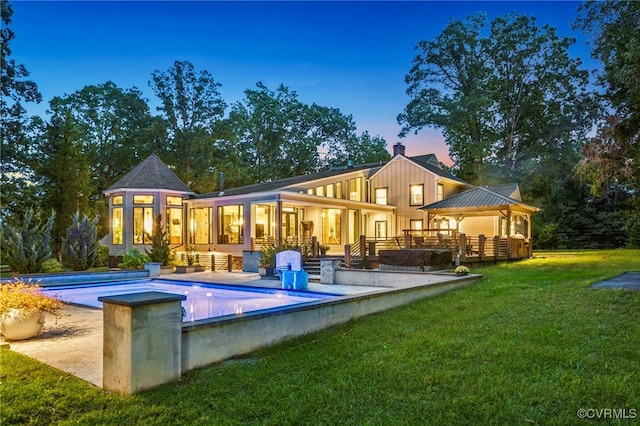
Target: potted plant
(267, 263)
(193, 262)
(22, 309)
(461, 270)
(324, 250)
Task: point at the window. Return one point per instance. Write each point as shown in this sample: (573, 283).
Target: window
(143, 199)
(440, 192)
(381, 229)
(263, 221)
(416, 194)
(331, 226)
(174, 201)
(320, 191)
(200, 225)
(331, 191)
(355, 189)
(174, 225)
(416, 224)
(117, 200)
(339, 190)
(117, 234)
(231, 224)
(142, 225)
(381, 196)
(310, 191)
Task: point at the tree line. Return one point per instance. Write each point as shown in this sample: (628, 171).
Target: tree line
(512, 103)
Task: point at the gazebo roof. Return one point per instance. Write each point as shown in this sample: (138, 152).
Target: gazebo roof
(476, 201)
(152, 173)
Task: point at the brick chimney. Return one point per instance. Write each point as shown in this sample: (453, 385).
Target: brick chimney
(398, 149)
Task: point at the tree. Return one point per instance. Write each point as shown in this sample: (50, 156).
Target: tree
(612, 158)
(15, 127)
(193, 108)
(27, 245)
(113, 127)
(505, 102)
(160, 243)
(80, 246)
(66, 177)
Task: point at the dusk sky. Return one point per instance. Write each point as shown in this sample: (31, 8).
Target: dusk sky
(348, 55)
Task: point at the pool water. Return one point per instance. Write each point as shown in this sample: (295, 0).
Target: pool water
(203, 300)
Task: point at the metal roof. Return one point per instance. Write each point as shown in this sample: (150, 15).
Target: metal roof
(152, 173)
(476, 199)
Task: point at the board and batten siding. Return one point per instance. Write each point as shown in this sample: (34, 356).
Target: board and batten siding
(398, 175)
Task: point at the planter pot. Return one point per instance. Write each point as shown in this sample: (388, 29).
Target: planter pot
(17, 326)
(460, 274)
(267, 271)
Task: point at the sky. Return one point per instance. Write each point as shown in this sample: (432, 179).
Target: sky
(347, 55)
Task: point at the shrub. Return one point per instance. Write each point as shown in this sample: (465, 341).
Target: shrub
(80, 247)
(24, 248)
(160, 244)
(52, 265)
(268, 253)
(102, 259)
(133, 259)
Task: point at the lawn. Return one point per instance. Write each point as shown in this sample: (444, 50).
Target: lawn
(530, 344)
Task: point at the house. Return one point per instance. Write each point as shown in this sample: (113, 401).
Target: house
(407, 200)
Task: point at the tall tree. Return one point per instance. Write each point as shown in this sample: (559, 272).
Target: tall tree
(506, 102)
(114, 129)
(612, 158)
(193, 108)
(66, 176)
(15, 126)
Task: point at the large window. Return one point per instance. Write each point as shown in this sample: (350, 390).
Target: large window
(117, 234)
(331, 225)
(142, 224)
(231, 224)
(382, 196)
(200, 225)
(416, 194)
(263, 221)
(174, 225)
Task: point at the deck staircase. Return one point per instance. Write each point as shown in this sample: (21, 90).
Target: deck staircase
(312, 266)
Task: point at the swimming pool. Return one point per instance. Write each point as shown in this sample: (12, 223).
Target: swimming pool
(203, 300)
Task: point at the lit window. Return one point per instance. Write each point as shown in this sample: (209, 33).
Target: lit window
(331, 225)
(416, 192)
(174, 220)
(142, 225)
(381, 229)
(200, 225)
(174, 201)
(355, 189)
(117, 231)
(231, 224)
(381, 196)
(330, 191)
(416, 224)
(339, 190)
(117, 200)
(143, 199)
(320, 191)
(440, 192)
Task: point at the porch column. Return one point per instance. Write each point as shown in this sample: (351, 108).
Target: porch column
(278, 221)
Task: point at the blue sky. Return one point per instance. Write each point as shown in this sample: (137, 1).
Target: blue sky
(348, 55)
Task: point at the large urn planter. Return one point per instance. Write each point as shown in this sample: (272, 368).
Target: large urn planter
(22, 309)
(16, 325)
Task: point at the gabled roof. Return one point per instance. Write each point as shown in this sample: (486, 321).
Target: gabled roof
(429, 162)
(291, 182)
(511, 190)
(477, 199)
(152, 173)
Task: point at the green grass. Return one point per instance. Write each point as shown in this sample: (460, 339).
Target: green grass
(530, 344)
